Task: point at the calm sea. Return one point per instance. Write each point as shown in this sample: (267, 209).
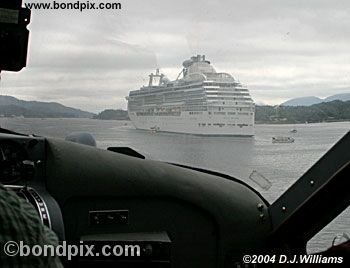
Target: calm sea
(275, 165)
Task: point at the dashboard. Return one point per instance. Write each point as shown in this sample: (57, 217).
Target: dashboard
(181, 217)
(22, 170)
(14, 163)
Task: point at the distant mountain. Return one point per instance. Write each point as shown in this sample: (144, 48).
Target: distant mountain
(110, 114)
(342, 97)
(302, 101)
(322, 112)
(311, 100)
(10, 106)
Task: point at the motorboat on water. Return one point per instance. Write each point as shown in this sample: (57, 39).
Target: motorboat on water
(281, 139)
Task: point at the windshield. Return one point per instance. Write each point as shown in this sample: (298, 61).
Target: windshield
(265, 83)
(258, 90)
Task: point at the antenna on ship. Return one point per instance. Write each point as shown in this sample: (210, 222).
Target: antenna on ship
(178, 76)
(155, 79)
(150, 79)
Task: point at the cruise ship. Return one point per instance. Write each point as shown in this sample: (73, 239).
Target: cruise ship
(200, 101)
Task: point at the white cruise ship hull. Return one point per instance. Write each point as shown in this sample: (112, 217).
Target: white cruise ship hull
(196, 124)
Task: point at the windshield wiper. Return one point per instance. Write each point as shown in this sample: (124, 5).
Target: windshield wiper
(7, 131)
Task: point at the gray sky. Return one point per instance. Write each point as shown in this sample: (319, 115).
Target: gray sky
(279, 49)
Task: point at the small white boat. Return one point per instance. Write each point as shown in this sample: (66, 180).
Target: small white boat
(154, 129)
(280, 139)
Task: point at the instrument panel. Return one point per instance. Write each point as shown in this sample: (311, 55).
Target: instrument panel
(22, 170)
(33, 197)
(13, 162)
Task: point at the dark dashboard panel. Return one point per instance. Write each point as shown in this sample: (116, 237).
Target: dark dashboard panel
(12, 165)
(22, 169)
(192, 232)
(94, 193)
(208, 218)
(21, 159)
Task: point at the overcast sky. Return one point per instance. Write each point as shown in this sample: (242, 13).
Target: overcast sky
(278, 49)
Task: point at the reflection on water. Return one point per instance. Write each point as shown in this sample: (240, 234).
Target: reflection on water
(281, 164)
